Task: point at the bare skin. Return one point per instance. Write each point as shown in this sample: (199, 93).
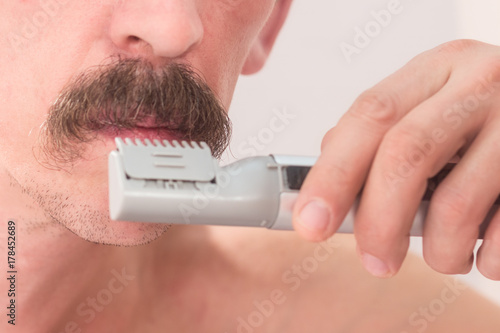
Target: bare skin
(208, 279)
(182, 279)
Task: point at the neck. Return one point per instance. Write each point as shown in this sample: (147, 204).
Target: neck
(64, 280)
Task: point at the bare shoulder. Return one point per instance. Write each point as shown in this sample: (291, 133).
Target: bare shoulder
(322, 287)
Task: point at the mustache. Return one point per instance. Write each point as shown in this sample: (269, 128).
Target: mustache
(126, 93)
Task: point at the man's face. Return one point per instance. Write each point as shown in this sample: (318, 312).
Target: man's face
(46, 45)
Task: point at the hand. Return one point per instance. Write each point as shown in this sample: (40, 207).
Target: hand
(443, 103)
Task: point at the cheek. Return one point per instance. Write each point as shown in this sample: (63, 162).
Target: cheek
(231, 28)
(38, 58)
(21, 93)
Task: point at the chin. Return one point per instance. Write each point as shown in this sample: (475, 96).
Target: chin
(87, 216)
(119, 233)
(85, 212)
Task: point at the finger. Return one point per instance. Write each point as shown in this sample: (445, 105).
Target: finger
(411, 152)
(488, 257)
(348, 150)
(460, 204)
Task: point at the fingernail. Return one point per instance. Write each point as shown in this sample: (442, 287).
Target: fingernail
(316, 216)
(375, 266)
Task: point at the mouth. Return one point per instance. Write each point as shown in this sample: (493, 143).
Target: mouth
(140, 132)
(146, 128)
(133, 99)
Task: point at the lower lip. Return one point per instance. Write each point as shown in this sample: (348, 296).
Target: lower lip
(141, 133)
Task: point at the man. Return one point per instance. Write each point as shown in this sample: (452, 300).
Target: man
(84, 72)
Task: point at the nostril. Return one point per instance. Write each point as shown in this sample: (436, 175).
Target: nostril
(153, 30)
(133, 39)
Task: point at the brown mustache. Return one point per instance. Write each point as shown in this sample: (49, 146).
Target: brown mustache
(126, 93)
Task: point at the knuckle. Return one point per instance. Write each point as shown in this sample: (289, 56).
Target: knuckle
(490, 69)
(335, 170)
(491, 65)
(384, 236)
(453, 207)
(376, 107)
(404, 144)
(327, 138)
(330, 178)
(342, 170)
(457, 46)
(446, 53)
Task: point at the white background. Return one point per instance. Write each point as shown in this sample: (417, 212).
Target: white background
(309, 77)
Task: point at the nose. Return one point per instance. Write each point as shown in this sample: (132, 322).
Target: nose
(161, 28)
